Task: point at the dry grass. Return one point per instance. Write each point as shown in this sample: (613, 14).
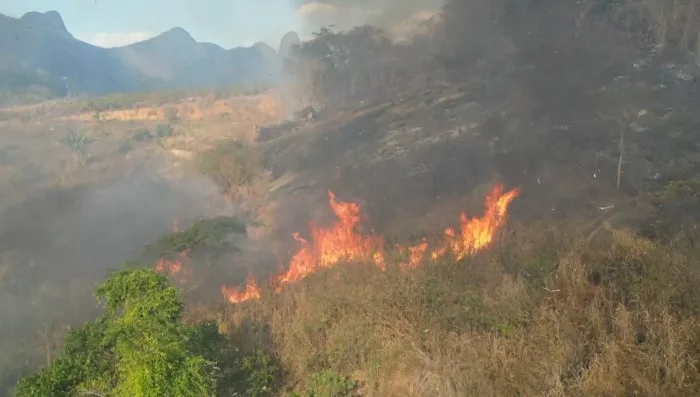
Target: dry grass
(539, 315)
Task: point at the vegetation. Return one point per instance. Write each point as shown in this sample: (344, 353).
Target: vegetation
(328, 383)
(77, 142)
(206, 234)
(136, 348)
(231, 164)
(609, 318)
(552, 308)
(140, 347)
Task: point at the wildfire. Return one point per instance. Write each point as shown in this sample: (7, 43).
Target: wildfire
(476, 234)
(343, 242)
(415, 254)
(175, 268)
(238, 295)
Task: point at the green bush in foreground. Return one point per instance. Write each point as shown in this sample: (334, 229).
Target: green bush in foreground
(137, 348)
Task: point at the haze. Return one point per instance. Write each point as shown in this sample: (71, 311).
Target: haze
(294, 198)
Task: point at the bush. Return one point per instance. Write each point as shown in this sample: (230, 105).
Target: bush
(329, 384)
(138, 347)
(164, 130)
(231, 165)
(258, 375)
(142, 135)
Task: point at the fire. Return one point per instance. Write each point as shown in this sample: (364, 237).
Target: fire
(175, 268)
(343, 242)
(415, 254)
(239, 295)
(478, 233)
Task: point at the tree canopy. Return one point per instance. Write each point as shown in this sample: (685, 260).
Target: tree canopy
(137, 348)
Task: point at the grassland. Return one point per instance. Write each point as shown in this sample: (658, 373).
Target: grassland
(573, 298)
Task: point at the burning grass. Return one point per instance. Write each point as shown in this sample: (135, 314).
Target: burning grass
(343, 242)
(479, 311)
(486, 325)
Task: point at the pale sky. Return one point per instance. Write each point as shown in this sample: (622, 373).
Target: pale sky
(109, 23)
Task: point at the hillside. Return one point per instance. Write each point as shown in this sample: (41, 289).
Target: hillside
(37, 49)
(507, 205)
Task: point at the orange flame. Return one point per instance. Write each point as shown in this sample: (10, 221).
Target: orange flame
(338, 243)
(239, 295)
(478, 233)
(342, 242)
(175, 268)
(415, 255)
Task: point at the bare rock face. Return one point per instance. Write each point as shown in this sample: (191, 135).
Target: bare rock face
(289, 41)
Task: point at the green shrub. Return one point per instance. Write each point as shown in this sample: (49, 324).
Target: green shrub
(138, 347)
(164, 130)
(142, 135)
(258, 375)
(329, 384)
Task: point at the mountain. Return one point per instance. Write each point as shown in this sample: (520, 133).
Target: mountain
(289, 41)
(38, 50)
(177, 60)
(40, 42)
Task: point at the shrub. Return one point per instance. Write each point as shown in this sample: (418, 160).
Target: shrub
(138, 347)
(329, 384)
(164, 130)
(258, 375)
(142, 135)
(230, 165)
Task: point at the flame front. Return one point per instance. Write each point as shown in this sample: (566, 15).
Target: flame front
(343, 242)
(478, 233)
(239, 295)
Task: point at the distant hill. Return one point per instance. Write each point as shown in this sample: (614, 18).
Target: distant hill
(37, 50)
(175, 59)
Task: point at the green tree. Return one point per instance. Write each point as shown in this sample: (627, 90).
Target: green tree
(137, 348)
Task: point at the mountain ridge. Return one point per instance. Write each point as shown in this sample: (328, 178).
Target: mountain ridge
(41, 42)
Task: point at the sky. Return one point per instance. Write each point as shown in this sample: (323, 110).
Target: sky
(228, 23)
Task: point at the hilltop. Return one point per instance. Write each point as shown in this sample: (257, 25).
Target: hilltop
(37, 51)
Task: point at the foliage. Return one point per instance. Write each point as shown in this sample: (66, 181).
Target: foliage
(329, 384)
(231, 164)
(204, 234)
(255, 375)
(138, 347)
(142, 135)
(682, 189)
(164, 130)
(337, 67)
(77, 142)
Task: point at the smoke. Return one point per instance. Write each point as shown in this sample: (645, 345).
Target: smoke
(56, 246)
(396, 16)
